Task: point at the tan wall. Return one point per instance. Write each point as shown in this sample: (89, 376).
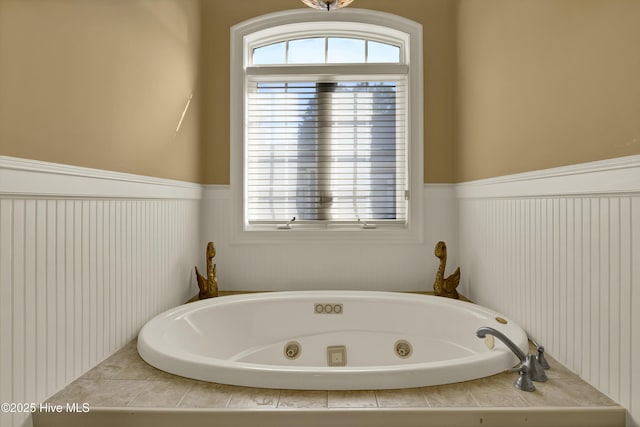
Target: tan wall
(101, 84)
(510, 86)
(438, 20)
(545, 83)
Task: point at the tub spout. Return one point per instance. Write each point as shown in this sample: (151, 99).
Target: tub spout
(529, 364)
(485, 330)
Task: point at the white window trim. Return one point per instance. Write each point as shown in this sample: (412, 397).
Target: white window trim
(246, 32)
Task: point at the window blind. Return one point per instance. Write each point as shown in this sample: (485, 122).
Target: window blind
(326, 150)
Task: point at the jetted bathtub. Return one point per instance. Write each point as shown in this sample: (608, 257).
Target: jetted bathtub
(329, 340)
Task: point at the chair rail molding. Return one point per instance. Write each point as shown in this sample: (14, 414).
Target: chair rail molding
(613, 176)
(26, 177)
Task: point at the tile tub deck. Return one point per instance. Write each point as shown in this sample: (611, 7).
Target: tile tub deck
(124, 390)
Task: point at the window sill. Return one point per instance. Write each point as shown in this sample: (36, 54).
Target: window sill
(342, 234)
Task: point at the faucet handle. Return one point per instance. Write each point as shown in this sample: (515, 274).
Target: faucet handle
(536, 371)
(540, 357)
(524, 379)
(542, 361)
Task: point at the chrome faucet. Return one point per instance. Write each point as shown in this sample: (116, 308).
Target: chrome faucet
(530, 366)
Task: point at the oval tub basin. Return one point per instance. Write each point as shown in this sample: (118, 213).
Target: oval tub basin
(342, 340)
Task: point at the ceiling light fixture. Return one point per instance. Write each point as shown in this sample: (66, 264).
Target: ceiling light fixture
(327, 4)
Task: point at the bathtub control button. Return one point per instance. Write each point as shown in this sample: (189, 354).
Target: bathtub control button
(327, 308)
(336, 355)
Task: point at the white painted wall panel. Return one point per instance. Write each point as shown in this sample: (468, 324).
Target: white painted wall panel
(565, 266)
(41, 297)
(634, 392)
(80, 275)
(17, 339)
(6, 302)
(324, 264)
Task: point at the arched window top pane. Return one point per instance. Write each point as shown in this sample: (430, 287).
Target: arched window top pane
(383, 52)
(342, 50)
(275, 53)
(306, 51)
(326, 50)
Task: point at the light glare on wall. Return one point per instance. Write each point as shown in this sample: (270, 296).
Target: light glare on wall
(184, 113)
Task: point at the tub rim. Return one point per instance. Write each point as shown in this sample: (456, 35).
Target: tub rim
(191, 362)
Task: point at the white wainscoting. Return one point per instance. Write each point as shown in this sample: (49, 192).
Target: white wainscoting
(297, 264)
(559, 251)
(86, 258)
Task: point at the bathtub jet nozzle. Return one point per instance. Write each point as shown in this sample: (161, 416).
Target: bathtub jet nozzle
(292, 350)
(403, 349)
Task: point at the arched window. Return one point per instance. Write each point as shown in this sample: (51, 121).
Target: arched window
(330, 120)
(326, 50)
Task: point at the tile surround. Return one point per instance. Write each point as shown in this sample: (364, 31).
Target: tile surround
(124, 381)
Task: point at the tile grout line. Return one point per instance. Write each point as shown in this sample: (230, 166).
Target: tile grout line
(375, 396)
(424, 397)
(473, 396)
(191, 387)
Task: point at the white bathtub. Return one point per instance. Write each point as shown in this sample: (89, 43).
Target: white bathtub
(241, 340)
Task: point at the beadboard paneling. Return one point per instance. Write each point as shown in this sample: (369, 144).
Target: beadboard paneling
(79, 276)
(567, 268)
